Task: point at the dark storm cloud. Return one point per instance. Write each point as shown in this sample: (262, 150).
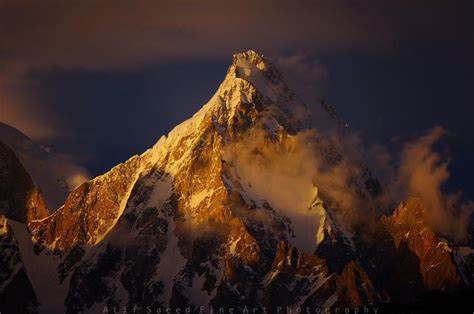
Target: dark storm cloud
(103, 34)
(120, 33)
(113, 36)
(99, 34)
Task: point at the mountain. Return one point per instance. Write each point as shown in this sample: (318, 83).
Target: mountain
(20, 199)
(227, 211)
(16, 293)
(409, 230)
(55, 175)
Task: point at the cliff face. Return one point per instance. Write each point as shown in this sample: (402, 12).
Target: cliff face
(307, 279)
(54, 175)
(409, 230)
(20, 199)
(90, 210)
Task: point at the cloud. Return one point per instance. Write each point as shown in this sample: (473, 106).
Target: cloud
(54, 174)
(332, 164)
(304, 75)
(105, 33)
(422, 173)
(19, 108)
(101, 34)
(417, 169)
(290, 174)
(281, 175)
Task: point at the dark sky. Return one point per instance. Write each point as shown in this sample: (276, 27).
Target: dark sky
(102, 80)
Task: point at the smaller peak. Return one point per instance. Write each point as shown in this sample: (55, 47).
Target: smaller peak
(414, 205)
(410, 211)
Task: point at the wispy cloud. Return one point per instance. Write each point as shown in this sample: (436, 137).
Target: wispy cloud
(305, 75)
(422, 172)
(286, 175)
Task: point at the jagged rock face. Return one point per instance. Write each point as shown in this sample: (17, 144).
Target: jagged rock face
(20, 200)
(409, 229)
(464, 257)
(306, 279)
(16, 293)
(89, 211)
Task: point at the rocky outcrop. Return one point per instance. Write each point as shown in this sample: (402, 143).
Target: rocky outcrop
(409, 229)
(464, 257)
(90, 211)
(301, 280)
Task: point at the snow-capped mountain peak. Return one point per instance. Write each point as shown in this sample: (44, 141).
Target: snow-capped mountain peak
(217, 212)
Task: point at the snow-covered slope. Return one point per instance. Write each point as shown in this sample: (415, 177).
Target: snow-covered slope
(16, 293)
